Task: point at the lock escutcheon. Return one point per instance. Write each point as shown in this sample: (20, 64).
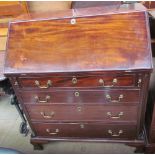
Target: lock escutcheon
(77, 94)
(74, 80)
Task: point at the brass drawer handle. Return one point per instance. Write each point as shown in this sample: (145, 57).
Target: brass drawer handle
(109, 98)
(114, 82)
(115, 117)
(114, 134)
(47, 98)
(77, 94)
(49, 83)
(48, 116)
(52, 133)
(74, 80)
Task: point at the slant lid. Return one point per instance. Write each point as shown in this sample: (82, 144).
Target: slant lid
(84, 40)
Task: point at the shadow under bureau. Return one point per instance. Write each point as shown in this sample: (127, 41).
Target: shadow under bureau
(82, 74)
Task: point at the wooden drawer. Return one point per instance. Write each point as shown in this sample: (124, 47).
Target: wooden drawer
(82, 113)
(85, 130)
(78, 81)
(82, 96)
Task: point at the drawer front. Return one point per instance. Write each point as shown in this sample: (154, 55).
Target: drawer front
(85, 130)
(81, 96)
(78, 81)
(84, 112)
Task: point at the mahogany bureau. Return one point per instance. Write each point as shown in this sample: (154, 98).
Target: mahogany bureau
(82, 74)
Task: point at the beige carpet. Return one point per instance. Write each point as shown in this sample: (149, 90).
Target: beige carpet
(11, 138)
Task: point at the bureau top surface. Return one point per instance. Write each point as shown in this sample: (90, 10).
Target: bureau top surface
(80, 40)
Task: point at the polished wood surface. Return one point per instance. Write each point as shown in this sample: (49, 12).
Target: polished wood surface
(150, 5)
(116, 80)
(13, 8)
(75, 75)
(49, 113)
(91, 130)
(59, 46)
(83, 96)
(10, 10)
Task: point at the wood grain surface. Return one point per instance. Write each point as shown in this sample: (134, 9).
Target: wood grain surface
(13, 9)
(117, 41)
(88, 96)
(86, 44)
(91, 130)
(79, 81)
(68, 113)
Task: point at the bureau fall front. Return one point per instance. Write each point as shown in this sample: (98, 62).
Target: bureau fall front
(82, 74)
